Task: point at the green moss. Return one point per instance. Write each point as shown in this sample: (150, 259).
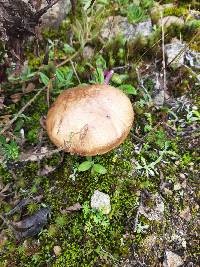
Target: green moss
(34, 62)
(60, 33)
(176, 11)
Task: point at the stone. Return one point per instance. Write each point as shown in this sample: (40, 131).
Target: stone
(193, 59)
(101, 201)
(149, 242)
(57, 250)
(156, 212)
(55, 15)
(171, 20)
(195, 14)
(118, 25)
(175, 53)
(186, 214)
(156, 10)
(88, 52)
(177, 187)
(172, 259)
(144, 28)
(158, 91)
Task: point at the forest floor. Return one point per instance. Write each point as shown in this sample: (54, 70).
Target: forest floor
(152, 179)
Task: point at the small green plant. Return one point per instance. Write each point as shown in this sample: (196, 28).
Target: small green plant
(148, 126)
(61, 221)
(63, 79)
(141, 228)
(150, 168)
(192, 115)
(9, 150)
(26, 75)
(135, 13)
(98, 76)
(128, 89)
(32, 207)
(94, 217)
(89, 164)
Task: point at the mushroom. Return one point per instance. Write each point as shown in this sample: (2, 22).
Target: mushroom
(90, 120)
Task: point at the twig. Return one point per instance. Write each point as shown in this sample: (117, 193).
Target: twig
(68, 59)
(73, 67)
(22, 110)
(163, 54)
(192, 72)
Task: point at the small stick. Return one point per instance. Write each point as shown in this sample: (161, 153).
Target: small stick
(72, 63)
(163, 53)
(68, 59)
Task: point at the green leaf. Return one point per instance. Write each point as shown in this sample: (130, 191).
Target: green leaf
(99, 168)
(84, 166)
(135, 13)
(119, 78)
(128, 89)
(101, 63)
(59, 75)
(68, 49)
(89, 158)
(44, 78)
(2, 140)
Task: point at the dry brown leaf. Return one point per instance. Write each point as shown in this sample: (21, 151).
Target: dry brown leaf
(16, 97)
(4, 119)
(46, 170)
(29, 88)
(1, 102)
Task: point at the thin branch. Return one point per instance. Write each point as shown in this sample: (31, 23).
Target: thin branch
(163, 54)
(68, 59)
(73, 67)
(22, 110)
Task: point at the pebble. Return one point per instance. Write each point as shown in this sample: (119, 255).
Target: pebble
(57, 250)
(101, 201)
(172, 260)
(175, 53)
(182, 175)
(186, 214)
(171, 20)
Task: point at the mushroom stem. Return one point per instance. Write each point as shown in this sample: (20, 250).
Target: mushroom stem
(108, 75)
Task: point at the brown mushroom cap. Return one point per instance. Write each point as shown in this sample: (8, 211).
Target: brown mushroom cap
(90, 120)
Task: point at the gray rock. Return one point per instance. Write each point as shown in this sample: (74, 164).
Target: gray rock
(144, 28)
(156, 10)
(156, 212)
(171, 20)
(55, 15)
(175, 53)
(101, 201)
(195, 14)
(115, 25)
(172, 260)
(158, 92)
(88, 52)
(118, 25)
(193, 59)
